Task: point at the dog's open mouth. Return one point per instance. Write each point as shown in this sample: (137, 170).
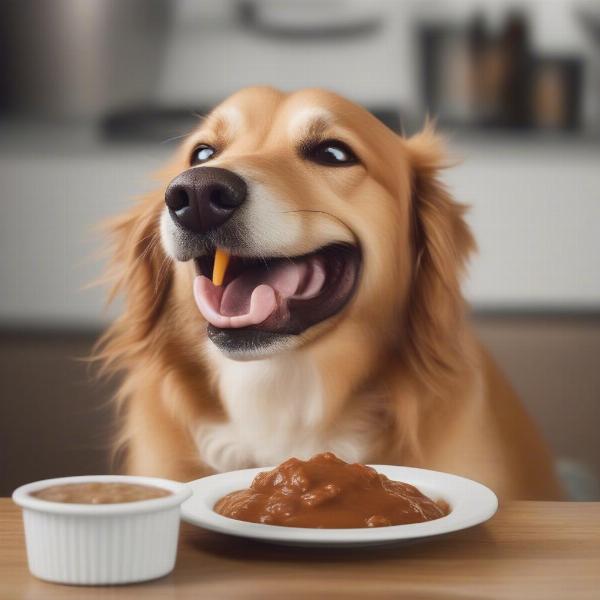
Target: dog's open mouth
(276, 295)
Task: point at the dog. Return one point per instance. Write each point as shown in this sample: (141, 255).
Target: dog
(339, 324)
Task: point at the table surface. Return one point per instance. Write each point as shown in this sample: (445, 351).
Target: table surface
(528, 550)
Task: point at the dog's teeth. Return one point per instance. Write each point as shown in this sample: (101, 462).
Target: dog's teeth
(220, 266)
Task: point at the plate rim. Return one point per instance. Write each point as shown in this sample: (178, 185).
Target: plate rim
(473, 509)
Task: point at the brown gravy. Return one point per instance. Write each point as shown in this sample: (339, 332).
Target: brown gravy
(100, 492)
(326, 492)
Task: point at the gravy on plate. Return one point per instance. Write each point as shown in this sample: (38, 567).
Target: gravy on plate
(326, 492)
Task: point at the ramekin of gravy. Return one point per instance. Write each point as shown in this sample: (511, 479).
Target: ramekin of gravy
(100, 492)
(92, 530)
(326, 492)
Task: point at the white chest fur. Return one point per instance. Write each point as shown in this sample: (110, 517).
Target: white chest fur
(275, 408)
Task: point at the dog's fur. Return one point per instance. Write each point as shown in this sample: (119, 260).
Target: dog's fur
(396, 377)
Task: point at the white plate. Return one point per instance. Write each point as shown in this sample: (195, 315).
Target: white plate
(471, 503)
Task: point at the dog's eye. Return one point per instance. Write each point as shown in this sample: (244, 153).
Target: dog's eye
(201, 154)
(331, 153)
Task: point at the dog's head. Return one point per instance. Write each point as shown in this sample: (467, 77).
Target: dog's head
(316, 216)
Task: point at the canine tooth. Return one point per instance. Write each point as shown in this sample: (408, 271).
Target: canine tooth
(220, 266)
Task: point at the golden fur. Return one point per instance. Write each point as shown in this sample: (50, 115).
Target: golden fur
(401, 357)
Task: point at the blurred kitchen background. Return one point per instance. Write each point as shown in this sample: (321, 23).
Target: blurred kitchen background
(95, 93)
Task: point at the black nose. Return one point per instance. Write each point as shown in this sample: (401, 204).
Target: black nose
(203, 198)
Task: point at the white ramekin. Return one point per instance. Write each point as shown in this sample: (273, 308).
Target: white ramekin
(101, 544)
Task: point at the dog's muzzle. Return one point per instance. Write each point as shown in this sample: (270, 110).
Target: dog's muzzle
(251, 300)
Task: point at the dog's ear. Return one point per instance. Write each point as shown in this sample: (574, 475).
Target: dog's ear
(442, 243)
(140, 271)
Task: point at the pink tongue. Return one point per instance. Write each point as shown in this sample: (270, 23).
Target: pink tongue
(257, 293)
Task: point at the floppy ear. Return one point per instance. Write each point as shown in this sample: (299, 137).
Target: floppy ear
(442, 243)
(140, 271)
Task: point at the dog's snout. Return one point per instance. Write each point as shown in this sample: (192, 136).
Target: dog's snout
(203, 198)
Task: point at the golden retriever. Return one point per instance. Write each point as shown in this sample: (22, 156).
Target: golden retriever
(340, 323)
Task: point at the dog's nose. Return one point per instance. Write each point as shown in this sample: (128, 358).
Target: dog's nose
(203, 198)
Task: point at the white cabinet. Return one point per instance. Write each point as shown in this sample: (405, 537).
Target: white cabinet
(535, 210)
(50, 207)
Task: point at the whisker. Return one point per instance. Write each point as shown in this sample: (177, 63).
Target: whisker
(321, 212)
(176, 137)
(162, 272)
(147, 250)
(308, 210)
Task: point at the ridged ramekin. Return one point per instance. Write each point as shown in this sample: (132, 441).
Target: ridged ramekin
(101, 544)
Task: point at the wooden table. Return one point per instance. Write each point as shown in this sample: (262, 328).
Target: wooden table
(528, 550)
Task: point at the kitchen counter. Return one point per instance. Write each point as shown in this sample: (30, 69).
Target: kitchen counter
(528, 550)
